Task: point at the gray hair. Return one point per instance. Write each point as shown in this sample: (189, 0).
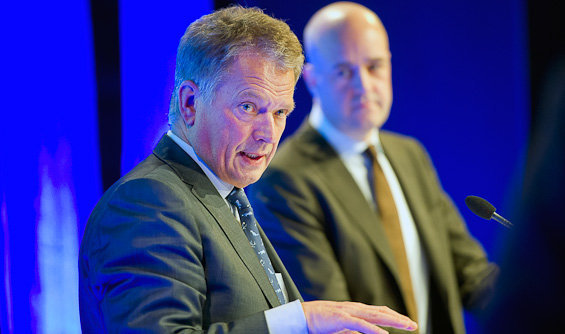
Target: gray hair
(209, 45)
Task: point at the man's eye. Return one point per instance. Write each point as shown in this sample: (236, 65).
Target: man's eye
(375, 67)
(344, 73)
(247, 107)
(282, 113)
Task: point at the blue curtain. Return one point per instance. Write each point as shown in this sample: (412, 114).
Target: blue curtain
(50, 177)
(149, 37)
(49, 173)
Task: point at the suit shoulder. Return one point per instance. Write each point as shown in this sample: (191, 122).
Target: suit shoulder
(398, 138)
(393, 141)
(304, 148)
(149, 181)
(291, 155)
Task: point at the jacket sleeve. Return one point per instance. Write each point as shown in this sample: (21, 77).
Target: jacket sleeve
(475, 275)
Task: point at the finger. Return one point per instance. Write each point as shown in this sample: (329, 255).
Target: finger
(356, 325)
(381, 315)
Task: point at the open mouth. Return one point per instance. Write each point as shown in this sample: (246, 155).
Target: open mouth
(251, 155)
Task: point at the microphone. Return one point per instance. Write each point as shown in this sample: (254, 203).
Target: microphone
(482, 208)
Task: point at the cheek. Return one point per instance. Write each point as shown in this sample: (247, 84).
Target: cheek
(385, 85)
(335, 97)
(279, 127)
(329, 87)
(219, 140)
(234, 137)
(337, 89)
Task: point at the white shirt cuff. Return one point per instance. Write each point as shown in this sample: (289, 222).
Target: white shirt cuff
(287, 318)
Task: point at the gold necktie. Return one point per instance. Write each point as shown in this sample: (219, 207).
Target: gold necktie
(391, 225)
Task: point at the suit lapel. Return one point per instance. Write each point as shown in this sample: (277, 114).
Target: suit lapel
(203, 189)
(338, 180)
(232, 229)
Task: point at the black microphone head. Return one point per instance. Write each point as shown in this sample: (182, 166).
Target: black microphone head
(481, 207)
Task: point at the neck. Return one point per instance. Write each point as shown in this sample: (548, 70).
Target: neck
(180, 131)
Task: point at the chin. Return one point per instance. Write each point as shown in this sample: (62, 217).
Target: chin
(242, 183)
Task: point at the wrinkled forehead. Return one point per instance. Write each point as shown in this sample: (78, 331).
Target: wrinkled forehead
(253, 71)
(253, 59)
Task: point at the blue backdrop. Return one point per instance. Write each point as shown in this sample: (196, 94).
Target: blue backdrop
(460, 86)
(50, 177)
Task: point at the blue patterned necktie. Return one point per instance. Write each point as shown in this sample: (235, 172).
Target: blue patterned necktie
(249, 224)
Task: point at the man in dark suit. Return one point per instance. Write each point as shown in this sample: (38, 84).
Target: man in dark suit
(173, 246)
(357, 213)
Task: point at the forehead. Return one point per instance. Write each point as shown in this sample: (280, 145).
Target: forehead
(352, 43)
(256, 76)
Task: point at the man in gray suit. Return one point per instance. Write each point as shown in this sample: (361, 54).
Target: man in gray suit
(173, 246)
(357, 213)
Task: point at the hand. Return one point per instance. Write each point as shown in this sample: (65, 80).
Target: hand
(330, 317)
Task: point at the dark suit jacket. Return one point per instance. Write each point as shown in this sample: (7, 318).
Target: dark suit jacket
(162, 253)
(334, 246)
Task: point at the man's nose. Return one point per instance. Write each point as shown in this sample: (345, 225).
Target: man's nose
(362, 80)
(265, 128)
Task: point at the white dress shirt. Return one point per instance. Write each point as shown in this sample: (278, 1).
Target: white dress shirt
(287, 318)
(351, 152)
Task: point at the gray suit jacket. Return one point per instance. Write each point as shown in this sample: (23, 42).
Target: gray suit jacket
(334, 246)
(162, 253)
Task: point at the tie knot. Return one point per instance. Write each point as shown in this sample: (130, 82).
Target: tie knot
(371, 152)
(238, 199)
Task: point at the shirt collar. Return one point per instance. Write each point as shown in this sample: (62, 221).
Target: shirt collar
(221, 186)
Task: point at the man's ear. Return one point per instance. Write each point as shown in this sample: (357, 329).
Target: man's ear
(188, 91)
(310, 78)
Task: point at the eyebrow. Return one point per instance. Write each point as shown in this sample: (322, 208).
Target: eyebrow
(338, 65)
(254, 95)
(370, 60)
